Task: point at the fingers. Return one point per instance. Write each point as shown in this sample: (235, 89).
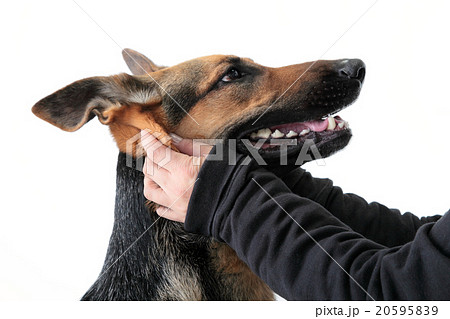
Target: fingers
(170, 175)
(155, 172)
(170, 214)
(157, 152)
(156, 194)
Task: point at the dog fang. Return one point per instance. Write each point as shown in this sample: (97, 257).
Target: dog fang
(331, 123)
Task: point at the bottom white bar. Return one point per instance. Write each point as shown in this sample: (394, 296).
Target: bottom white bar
(227, 310)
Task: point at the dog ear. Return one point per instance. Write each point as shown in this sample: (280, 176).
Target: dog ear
(138, 63)
(76, 104)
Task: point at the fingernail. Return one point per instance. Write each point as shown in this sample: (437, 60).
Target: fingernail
(177, 139)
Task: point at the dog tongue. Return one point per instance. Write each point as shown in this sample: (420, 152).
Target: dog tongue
(317, 126)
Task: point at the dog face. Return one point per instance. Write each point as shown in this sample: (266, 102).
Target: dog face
(217, 96)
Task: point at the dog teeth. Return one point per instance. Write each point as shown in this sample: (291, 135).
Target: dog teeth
(291, 134)
(305, 131)
(264, 133)
(277, 134)
(267, 133)
(331, 123)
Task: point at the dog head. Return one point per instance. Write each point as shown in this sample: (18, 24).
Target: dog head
(217, 96)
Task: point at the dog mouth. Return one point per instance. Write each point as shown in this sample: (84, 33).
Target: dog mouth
(272, 137)
(325, 136)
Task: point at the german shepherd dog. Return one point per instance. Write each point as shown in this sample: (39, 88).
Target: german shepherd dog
(219, 96)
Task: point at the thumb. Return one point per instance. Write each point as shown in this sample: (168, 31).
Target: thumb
(148, 140)
(191, 147)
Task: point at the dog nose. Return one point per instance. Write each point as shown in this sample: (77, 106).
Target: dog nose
(352, 69)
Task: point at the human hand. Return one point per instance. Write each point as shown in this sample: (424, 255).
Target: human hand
(169, 175)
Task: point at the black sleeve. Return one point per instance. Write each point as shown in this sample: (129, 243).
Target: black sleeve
(302, 251)
(373, 220)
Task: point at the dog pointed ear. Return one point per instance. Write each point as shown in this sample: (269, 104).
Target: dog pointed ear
(76, 104)
(138, 63)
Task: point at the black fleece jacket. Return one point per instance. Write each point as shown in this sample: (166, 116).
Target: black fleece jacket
(309, 241)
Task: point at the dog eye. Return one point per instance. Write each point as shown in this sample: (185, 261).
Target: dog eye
(232, 74)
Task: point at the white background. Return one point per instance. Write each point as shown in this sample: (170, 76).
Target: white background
(58, 188)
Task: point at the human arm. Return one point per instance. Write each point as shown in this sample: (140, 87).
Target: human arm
(373, 220)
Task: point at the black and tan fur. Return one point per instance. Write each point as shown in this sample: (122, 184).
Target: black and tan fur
(167, 263)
